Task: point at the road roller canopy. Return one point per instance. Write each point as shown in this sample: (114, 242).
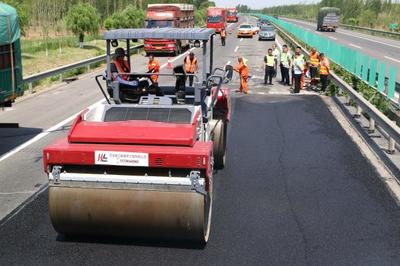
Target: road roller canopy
(192, 34)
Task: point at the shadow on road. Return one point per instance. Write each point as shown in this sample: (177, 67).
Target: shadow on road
(11, 138)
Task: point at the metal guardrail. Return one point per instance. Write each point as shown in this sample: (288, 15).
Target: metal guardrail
(351, 27)
(61, 70)
(375, 116)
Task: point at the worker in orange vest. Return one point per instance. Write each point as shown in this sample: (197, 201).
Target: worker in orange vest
(314, 64)
(324, 68)
(153, 67)
(223, 36)
(243, 71)
(191, 66)
(120, 66)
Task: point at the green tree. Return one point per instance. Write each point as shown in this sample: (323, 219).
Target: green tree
(22, 11)
(130, 17)
(82, 19)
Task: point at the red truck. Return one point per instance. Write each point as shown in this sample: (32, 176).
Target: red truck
(232, 15)
(216, 18)
(168, 15)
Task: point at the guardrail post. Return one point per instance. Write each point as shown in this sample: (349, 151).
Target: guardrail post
(30, 85)
(371, 128)
(358, 112)
(392, 146)
(88, 68)
(61, 77)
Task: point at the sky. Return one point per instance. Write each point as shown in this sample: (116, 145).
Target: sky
(257, 3)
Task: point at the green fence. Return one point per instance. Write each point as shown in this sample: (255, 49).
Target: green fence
(367, 68)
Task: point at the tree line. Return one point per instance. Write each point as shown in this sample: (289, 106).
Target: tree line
(366, 13)
(88, 16)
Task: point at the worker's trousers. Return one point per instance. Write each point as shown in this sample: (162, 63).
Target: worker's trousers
(243, 84)
(297, 82)
(285, 75)
(269, 73)
(191, 77)
(324, 82)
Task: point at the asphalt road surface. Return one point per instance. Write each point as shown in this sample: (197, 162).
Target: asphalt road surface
(295, 191)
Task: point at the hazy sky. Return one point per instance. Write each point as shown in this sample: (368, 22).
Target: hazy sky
(257, 3)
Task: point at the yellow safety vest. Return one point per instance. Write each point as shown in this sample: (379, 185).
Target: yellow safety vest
(270, 60)
(314, 59)
(285, 59)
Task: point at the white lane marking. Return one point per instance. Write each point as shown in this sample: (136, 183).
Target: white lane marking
(236, 49)
(241, 39)
(371, 40)
(356, 46)
(393, 59)
(333, 38)
(17, 192)
(44, 133)
(63, 123)
(279, 44)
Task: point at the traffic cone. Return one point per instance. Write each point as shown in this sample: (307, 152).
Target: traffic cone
(169, 64)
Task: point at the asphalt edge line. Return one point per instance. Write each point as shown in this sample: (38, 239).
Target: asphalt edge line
(21, 206)
(385, 173)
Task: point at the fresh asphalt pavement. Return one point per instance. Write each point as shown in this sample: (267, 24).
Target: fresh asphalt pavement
(295, 191)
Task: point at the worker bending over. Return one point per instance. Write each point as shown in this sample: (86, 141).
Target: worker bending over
(191, 66)
(314, 64)
(243, 71)
(270, 67)
(153, 67)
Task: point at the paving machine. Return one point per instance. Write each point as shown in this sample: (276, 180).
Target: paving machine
(141, 163)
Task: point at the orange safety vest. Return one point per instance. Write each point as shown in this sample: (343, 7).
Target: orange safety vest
(324, 67)
(122, 68)
(314, 59)
(190, 66)
(223, 33)
(243, 70)
(154, 66)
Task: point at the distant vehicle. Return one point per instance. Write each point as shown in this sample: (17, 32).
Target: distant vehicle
(245, 30)
(168, 15)
(267, 32)
(256, 29)
(216, 18)
(232, 15)
(328, 19)
(276, 16)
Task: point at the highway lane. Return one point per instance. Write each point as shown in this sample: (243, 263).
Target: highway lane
(296, 191)
(47, 116)
(386, 50)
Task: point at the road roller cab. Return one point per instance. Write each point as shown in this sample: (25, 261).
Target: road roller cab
(141, 164)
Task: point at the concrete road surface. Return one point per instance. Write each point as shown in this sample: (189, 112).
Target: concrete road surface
(296, 189)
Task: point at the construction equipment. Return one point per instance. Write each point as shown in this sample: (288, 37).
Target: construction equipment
(143, 167)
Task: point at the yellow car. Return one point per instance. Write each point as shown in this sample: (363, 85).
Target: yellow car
(245, 30)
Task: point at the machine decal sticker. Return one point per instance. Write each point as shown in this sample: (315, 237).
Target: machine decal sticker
(121, 158)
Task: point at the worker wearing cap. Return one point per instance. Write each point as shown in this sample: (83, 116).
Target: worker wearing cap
(324, 68)
(223, 36)
(120, 68)
(270, 67)
(314, 64)
(153, 67)
(243, 71)
(191, 66)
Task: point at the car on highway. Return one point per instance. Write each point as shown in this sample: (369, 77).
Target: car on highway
(256, 29)
(267, 32)
(245, 30)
